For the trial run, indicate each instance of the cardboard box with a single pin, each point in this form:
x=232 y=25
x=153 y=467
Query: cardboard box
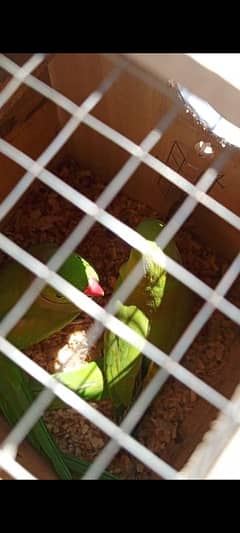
x=133 y=107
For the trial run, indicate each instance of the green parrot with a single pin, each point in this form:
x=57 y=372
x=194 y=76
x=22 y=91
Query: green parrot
x=165 y=301
x=49 y=313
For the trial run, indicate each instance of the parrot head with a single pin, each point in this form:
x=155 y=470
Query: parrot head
x=80 y=274
x=75 y=270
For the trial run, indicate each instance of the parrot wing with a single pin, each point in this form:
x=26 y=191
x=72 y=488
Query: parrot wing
x=165 y=301
x=122 y=361
x=86 y=381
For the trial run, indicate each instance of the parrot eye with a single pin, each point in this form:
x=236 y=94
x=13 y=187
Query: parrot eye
x=58 y=295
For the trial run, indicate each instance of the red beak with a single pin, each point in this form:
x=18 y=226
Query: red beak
x=93 y=288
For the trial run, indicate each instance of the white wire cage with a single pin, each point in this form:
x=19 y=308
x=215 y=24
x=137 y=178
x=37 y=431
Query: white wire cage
x=103 y=96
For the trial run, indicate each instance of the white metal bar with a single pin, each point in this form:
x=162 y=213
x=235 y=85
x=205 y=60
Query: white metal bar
x=27 y=421
x=14 y=468
x=217 y=456
x=19 y=77
x=40 y=86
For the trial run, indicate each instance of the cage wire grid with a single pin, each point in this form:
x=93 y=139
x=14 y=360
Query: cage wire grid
x=120 y=435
